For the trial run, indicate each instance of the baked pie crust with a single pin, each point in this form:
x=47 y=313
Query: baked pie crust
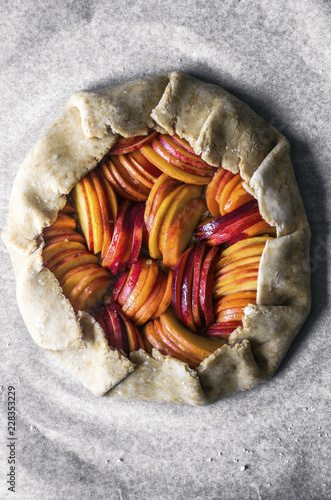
x=223 y=131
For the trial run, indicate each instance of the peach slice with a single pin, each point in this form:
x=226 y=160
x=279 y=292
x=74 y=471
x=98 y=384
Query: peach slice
x=166 y=299
x=155 y=341
x=128 y=144
x=121 y=240
x=175 y=349
x=128 y=183
x=134 y=172
x=172 y=170
x=153 y=240
x=130 y=282
x=248 y=283
x=186 y=292
x=79 y=196
x=200 y=347
x=67 y=209
x=163 y=186
x=180 y=231
x=52 y=238
x=107 y=216
x=211 y=192
x=108 y=169
x=224 y=180
x=226 y=192
x=177 y=281
x=250 y=247
x=260 y=227
x=145 y=167
x=72 y=277
x=183 y=143
x=150 y=305
x=92 y=294
x=204 y=170
x=231 y=303
x=238 y=197
x=69 y=259
x=206 y=281
x=222 y=330
x=132 y=289
x=86 y=277
x=181 y=153
x=184 y=196
x=132 y=306
x=243 y=295
x=50 y=251
x=63 y=221
x=237 y=264
x=199 y=256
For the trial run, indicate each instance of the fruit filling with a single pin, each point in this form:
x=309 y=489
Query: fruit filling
x=160 y=247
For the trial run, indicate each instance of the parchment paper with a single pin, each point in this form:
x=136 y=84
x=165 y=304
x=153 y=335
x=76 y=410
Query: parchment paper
x=267 y=443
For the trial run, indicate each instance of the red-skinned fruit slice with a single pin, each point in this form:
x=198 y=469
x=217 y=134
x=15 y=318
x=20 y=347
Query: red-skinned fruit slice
x=210 y=229
x=177 y=281
x=130 y=283
x=186 y=292
x=136 y=229
x=127 y=145
x=222 y=330
x=183 y=143
x=181 y=153
x=206 y=282
x=199 y=255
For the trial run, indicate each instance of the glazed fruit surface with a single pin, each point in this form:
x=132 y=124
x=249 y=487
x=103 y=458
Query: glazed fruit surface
x=161 y=247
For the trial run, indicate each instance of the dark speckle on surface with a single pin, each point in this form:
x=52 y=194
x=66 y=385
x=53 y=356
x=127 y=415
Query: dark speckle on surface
x=272 y=442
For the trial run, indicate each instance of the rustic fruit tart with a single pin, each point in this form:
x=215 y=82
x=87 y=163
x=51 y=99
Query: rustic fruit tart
x=159 y=242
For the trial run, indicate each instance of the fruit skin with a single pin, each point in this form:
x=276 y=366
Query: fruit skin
x=191 y=286
x=180 y=231
x=119 y=330
x=181 y=153
x=189 y=344
x=96 y=207
x=143 y=292
x=127 y=145
x=179 y=171
x=125 y=245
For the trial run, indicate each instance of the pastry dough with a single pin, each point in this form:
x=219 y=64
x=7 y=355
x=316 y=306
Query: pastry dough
x=223 y=130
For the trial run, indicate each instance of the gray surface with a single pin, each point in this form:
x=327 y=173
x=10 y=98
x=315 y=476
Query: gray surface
x=272 y=442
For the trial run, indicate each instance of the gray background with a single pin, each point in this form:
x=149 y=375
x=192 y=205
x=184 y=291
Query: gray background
x=272 y=442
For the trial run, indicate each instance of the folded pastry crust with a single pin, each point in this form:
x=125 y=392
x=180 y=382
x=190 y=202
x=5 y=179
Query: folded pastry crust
x=223 y=130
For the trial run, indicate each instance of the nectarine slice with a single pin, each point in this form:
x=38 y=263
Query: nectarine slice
x=153 y=240
x=149 y=307
x=70 y=259
x=145 y=167
x=172 y=170
x=212 y=203
x=64 y=221
x=166 y=299
x=184 y=196
x=49 y=251
x=128 y=144
x=203 y=170
x=92 y=294
x=180 y=231
x=200 y=347
x=248 y=283
x=86 y=277
x=181 y=153
x=72 y=277
x=131 y=307
x=174 y=349
x=79 y=196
